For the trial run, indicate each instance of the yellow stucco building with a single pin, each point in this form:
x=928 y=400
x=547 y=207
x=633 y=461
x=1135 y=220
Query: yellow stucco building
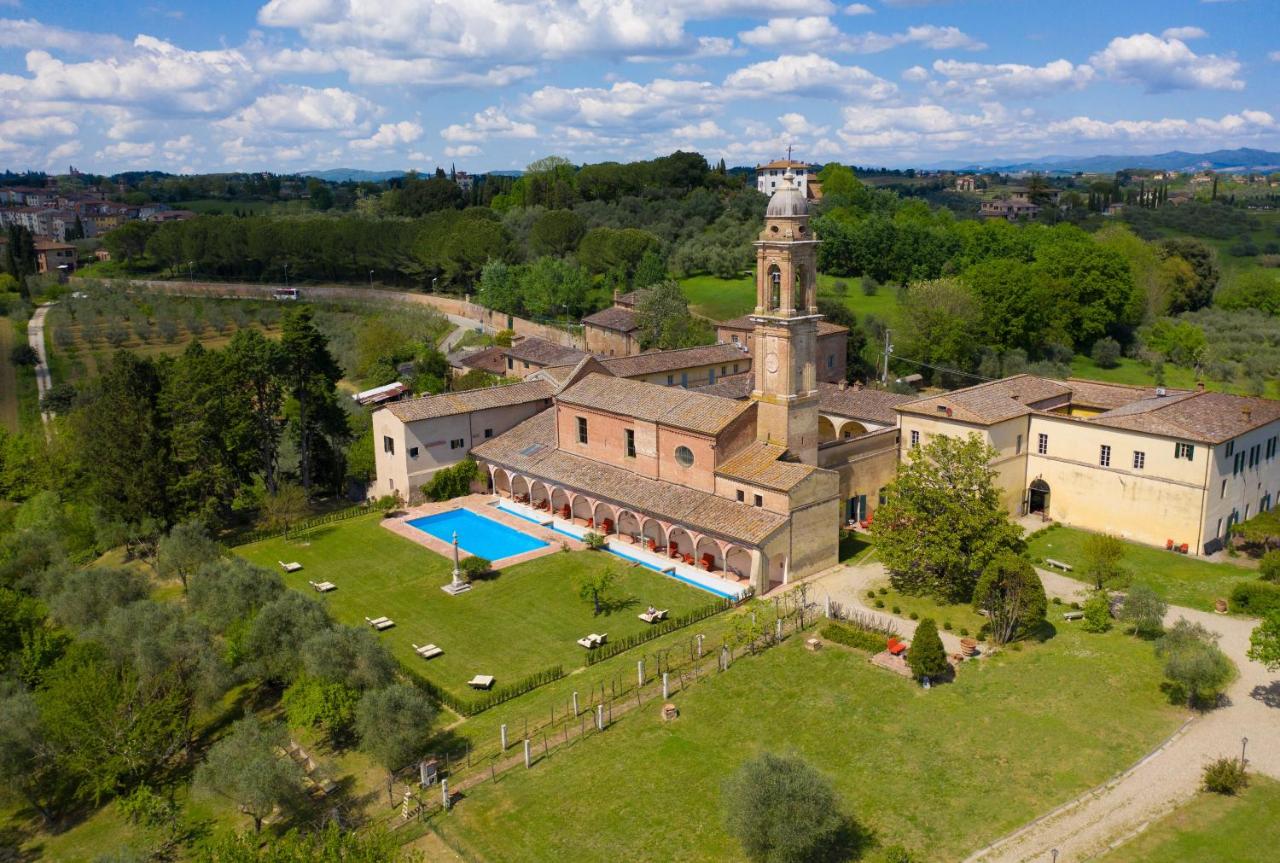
x=1151 y=465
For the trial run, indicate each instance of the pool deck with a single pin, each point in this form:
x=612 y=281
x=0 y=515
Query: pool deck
x=482 y=505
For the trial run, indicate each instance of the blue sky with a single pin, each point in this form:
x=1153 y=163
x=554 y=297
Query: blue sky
x=286 y=85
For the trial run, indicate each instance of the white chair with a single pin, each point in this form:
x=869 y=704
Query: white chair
x=481 y=681
x=289 y=567
x=427 y=651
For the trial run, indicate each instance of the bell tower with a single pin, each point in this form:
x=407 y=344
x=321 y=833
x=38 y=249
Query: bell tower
x=786 y=326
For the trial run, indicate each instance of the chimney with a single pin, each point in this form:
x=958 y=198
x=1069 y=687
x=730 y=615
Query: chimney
x=616 y=294
x=1247 y=410
x=843 y=384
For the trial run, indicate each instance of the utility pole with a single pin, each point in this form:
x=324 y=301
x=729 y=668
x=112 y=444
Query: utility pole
x=888 y=349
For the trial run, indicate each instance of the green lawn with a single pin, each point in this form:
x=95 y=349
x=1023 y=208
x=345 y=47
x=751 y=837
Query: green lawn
x=722 y=299
x=960 y=616
x=942 y=771
x=525 y=620
x=1212 y=828
x=1180 y=579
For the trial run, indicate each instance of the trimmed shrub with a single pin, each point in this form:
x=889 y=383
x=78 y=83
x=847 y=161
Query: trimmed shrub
x=926 y=656
x=1269 y=567
x=871 y=594
x=884 y=591
x=915 y=615
x=897 y=609
x=964 y=631
x=946 y=624
x=1256 y=597
x=849 y=636
x=879 y=603
x=475 y=567
x=1225 y=776
x=1097 y=613
x=593 y=540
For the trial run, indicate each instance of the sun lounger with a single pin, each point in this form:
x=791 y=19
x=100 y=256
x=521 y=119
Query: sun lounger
x=427 y=651
x=323 y=586
x=380 y=623
x=481 y=681
x=289 y=567
x=593 y=640
x=654 y=616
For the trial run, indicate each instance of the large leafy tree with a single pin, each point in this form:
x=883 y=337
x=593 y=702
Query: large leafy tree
x=394 y=723
x=246 y=767
x=942 y=521
x=782 y=810
x=255 y=367
x=186 y=548
x=663 y=316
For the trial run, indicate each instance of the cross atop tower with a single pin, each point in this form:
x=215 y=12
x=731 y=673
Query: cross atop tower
x=788 y=152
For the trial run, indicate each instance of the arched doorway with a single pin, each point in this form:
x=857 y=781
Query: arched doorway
x=539 y=497
x=1038 y=497
x=680 y=543
x=655 y=538
x=560 y=503
x=708 y=556
x=826 y=430
x=738 y=562
x=629 y=525
x=582 y=511
x=520 y=488
x=605 y=522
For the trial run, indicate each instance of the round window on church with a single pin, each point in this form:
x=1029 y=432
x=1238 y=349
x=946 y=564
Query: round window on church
x=684 y=456
x=773 y=228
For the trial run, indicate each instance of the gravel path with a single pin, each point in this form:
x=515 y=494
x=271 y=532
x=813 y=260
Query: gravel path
x=1108 y=815
x=35 y=337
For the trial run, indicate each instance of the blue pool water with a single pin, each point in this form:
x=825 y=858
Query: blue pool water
x=476 y=534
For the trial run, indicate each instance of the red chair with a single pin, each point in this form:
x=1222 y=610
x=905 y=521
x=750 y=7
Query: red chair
x=591 y=522
x=897 y=647
x=564 y=511
x=653 y=546
x=607 y=525
x=708 y=562
x=1168 y=544
x=673 y=549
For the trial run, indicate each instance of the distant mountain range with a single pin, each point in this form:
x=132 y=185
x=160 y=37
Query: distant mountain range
x=1242 y=159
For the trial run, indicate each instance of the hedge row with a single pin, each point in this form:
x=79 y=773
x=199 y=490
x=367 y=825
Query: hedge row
x=1255 y=597
x=613 y=648
x=481 y=703
x=849 y=636
x=307 y=524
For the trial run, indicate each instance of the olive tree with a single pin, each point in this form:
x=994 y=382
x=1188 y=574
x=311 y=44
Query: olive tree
x=782 y=810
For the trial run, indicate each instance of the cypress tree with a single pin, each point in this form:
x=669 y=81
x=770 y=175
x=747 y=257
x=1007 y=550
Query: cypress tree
x=926 y=656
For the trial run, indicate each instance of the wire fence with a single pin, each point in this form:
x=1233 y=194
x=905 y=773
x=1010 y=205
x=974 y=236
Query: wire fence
x=663 y=627
x=658 y=676
x=306 y=524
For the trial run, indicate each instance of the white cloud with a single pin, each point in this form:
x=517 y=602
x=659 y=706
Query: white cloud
x=1161 y=65
x=808 y=74
x=662 y=103
x=797 y=125
x=1274 y=56
x=389 y=136
x=858 y=9
x=915 y=74
x=491 y=122
x=791 y=31
x=462 y=150
x=1184 y=33
x=127 y=151
x=295 y=108
x=1245 y=123
x=927 y=35
x=151 y=73
x=985 y=80
x=35 y=129
x=704 y=131
x=28 y=33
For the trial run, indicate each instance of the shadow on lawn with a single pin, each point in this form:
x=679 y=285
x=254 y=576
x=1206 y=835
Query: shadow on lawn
x=1268 y=695
x=610 y=605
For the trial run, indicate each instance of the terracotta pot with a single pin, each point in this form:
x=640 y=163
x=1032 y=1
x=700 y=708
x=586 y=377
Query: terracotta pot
x=1220 y=606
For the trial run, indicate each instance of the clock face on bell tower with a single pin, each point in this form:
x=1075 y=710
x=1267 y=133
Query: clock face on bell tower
x=786 y=326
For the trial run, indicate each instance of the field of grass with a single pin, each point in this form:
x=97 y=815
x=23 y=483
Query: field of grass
x=960 y=616
x=1212 y=828
x=722 y=299
x=942 y=771
x=525 y=620
x=1180 y=579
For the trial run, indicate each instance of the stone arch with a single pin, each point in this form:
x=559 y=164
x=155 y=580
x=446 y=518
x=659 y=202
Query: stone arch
x=826 y=429
x=774 y=284
x=852 y=428
x=1038 y=496
x=606 y=522
x=800 y=289
x=655 y=532
x=582 y=507
x=539 y=495
x=561 y=503
x=737 y=562
x=681 y=540
x=629 y=523
x=778 y=569
x=501 y=482
x=707 y=550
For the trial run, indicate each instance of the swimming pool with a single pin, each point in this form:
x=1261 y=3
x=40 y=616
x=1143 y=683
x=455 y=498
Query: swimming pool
x=477 y=535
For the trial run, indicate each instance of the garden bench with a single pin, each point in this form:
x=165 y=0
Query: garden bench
x=380 y=623
x=293 y=566
x=654 y=616
x=593 y=640
x=481 y=681
x=1073 y=615
x=1057 y=564
x=897 y=647
x=323 y=586
x=427 y=651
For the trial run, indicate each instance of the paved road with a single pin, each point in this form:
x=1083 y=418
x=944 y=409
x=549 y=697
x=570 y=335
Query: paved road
x=1114 y=812
x=464 y=326
x=35 y=337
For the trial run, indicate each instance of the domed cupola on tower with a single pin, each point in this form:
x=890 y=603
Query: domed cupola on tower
x=786 y=325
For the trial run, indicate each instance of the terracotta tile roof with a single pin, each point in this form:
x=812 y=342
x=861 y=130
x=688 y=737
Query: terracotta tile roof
x=992 y=402
x=468 y=401
x=760 y=464
x=657 y=362
x=530 y=449
x=613 y=318
x=670 y=406
x=1207 y=417
x=493 y=359
x=629 y=299
x=871 y=405
x=784 y=163
x=1095 y=394
x=745 y=324
x=541 y=352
